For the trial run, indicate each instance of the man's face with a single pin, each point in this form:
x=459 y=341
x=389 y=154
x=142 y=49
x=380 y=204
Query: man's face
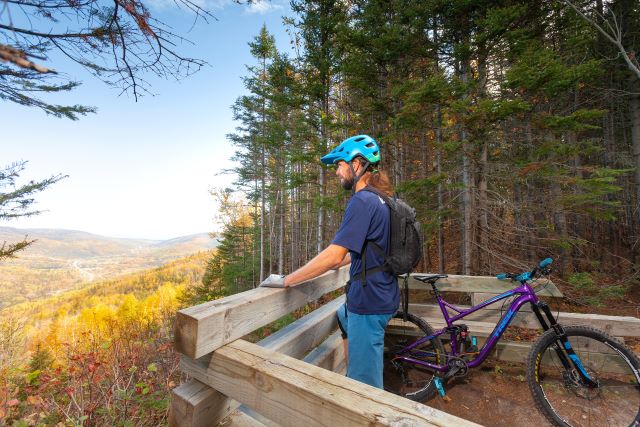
x=346 y=176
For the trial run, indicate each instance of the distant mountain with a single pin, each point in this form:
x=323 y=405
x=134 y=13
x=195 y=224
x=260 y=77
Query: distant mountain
x=60 y=260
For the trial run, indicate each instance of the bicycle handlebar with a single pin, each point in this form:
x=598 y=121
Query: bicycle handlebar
x=528 y=275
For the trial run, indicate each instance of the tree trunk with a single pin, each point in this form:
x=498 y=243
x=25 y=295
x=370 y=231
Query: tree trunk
x=483 y=208
x=262 y=215
x=281 y=220
x=441 y=260
x=466 y=200
x=634 y=107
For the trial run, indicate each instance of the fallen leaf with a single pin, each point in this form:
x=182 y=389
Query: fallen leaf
x=34 y=400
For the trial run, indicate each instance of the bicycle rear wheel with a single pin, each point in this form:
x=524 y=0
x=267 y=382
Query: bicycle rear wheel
x=565 y=400
x=407 y=379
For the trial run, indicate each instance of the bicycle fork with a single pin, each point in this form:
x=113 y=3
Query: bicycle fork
x=563 y=347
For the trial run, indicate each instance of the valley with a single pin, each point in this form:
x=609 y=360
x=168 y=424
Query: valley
x=63 y=260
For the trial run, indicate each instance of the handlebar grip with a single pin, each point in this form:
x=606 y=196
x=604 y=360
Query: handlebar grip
x=501 y=276
x=545 y=262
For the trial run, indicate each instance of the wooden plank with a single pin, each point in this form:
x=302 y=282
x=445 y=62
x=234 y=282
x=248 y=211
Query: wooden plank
x=457 y=283
x=196 y=404
x=306 y=333
x=264 y=421
x=475 y=328
x=329 y=355
x=239 y=418
x=619 y=326
x=201 y=329
x=518 y=352
x=270 y=382
x=209 y=407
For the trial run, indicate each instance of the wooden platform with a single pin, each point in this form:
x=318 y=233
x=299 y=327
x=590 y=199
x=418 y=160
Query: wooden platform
x=295 y=376
x=268 y=378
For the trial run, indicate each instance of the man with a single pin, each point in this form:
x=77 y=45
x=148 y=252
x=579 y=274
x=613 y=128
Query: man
x=372 y=298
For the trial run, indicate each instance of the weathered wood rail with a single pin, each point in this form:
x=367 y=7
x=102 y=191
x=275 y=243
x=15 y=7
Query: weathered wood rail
x=295 y=376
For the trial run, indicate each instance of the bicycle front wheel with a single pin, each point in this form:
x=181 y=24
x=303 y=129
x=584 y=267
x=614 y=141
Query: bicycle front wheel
x=407 y=379
x=565 y=399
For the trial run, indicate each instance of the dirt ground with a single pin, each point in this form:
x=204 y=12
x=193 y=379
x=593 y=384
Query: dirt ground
x=495 y=394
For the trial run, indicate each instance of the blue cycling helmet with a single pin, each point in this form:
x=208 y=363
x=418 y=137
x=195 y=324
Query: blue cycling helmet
x=359 y=145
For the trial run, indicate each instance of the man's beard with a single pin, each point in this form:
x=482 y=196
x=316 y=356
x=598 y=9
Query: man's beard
x=347 y=183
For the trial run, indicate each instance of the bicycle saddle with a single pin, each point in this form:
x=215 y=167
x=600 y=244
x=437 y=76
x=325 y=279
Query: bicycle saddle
x=430 y=278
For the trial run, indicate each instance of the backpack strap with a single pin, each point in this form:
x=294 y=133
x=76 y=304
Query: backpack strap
x=363 y=273
x=383 y=267
x=384 y=196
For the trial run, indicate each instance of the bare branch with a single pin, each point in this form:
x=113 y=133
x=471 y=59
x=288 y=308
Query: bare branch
x=614 y=36
x=117 y=41
x=19 y=58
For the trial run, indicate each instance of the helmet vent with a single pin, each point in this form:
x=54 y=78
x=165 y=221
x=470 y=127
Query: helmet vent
x=359 y=139
x=341 y=149
x=369 y=145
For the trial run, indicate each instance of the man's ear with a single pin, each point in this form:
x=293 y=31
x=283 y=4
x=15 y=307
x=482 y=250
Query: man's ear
x=359 y=160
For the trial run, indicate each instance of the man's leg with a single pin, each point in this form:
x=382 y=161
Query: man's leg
x=366 y=347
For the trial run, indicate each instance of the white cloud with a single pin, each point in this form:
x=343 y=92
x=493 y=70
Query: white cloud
x=210 y=5
x=263 y=7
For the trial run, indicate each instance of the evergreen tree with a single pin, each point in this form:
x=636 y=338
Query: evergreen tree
x=507 y=124
x=17 y=201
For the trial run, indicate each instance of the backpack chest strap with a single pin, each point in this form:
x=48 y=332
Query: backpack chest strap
x=363 y=273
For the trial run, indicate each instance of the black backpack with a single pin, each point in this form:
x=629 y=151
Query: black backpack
x=405 y=241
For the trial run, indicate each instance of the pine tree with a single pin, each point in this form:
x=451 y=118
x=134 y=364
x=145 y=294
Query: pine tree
x=17 y=201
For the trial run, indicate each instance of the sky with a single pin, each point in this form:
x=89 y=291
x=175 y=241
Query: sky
x=143 y=169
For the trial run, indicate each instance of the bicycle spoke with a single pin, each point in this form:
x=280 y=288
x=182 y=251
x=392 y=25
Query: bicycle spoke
x=567 y=400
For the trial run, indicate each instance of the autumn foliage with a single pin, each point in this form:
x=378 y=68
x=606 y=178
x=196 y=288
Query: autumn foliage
x=108 y=361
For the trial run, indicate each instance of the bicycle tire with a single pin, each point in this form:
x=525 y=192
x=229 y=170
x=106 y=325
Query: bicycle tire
x=560 y=395
x=407 y=379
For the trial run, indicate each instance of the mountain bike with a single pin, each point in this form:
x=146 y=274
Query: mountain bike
x=578 y=375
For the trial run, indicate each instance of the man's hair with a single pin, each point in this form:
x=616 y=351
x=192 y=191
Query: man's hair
x=380 y=180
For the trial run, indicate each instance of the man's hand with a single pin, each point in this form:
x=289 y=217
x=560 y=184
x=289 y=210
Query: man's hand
x=273 y=281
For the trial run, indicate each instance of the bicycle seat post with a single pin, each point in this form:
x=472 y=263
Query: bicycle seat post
x=436 y=291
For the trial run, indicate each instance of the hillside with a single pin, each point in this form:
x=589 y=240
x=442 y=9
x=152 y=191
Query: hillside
x=63 y=356
x=61 y=260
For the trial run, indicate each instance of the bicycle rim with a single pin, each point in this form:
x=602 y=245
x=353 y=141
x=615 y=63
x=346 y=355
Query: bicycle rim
x=408 y=379
x=616 y=399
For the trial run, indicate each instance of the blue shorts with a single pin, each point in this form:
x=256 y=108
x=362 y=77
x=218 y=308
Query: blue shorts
x=366 y=345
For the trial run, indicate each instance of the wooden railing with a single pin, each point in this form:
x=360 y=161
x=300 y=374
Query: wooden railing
x=295 y=376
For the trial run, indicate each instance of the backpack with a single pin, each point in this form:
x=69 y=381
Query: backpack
x=405 y=241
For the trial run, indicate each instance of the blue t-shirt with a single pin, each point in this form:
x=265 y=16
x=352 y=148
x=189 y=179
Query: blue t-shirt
x=367 y=218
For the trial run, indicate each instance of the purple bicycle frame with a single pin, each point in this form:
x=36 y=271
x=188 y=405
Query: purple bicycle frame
x=527 y=294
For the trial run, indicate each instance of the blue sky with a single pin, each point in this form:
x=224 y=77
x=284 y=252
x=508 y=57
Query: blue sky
x=143 y=169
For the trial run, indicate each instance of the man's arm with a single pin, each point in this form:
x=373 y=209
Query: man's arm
x=346 y=260
x=331 y=257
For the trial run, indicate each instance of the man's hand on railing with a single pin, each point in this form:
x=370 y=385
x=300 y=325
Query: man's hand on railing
x=273 y=281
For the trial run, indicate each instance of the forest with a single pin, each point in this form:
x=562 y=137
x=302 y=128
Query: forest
x=513 y=128
x=100 y=355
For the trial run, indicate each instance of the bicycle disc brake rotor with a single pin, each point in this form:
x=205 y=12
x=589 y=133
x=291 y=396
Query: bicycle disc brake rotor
x=574 y=383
